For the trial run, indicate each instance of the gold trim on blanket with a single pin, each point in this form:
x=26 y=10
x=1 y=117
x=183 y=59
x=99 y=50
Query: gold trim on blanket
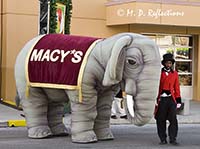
x=57 y=86
x=80 y=75
x=61 y=86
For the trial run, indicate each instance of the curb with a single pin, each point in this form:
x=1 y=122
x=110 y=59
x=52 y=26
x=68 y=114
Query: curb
x=10 y=104
x=13 y=123
x=16 y=123
x=192 y=118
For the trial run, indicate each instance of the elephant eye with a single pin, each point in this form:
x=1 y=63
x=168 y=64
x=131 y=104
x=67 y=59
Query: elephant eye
x=131 y=61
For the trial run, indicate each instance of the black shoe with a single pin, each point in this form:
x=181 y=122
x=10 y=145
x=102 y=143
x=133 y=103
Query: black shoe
x=124 y=116
x=174 y=143
x=163 y=142
x=114 y=116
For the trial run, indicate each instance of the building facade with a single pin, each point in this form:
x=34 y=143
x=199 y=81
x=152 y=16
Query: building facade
x=172 y=24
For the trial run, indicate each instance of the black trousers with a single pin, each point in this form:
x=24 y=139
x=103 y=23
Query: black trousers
x=167 y=111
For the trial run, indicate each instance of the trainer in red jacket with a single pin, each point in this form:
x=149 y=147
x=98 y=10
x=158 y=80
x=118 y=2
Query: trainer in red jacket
x=167 y=100
x=169 y=82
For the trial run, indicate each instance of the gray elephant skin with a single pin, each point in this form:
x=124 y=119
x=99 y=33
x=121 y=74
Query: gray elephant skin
x=127 y=60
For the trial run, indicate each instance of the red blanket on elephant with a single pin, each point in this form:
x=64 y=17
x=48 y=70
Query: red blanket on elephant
x=57 y=61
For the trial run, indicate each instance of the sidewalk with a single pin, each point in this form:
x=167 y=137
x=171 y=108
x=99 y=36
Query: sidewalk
x=192 y=118
x=12 y=117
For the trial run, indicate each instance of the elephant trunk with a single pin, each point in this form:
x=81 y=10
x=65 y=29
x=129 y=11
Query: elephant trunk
x=141 y=96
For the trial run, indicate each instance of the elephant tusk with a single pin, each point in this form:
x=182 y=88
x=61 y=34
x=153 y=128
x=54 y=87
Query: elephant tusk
x=130 y=105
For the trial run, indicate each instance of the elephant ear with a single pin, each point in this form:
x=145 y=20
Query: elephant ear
x=115 y=66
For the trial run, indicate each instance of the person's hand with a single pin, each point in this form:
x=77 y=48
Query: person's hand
x=178 y=105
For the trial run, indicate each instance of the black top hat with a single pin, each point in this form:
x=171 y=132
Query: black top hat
x=168 y=57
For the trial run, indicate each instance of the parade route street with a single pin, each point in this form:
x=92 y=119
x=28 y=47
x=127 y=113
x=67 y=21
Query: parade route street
x=126 y=137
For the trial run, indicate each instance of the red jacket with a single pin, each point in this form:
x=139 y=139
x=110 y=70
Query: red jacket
x=169 y=82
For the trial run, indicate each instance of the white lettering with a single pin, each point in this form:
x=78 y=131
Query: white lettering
x=63 y=55
x=46 y=56
x=129 y=12
x=120 y=12
x=159 y=13
x=77 y=57
x=56 y=55
x=140 y=13
x=36 y=56
x=52 y=58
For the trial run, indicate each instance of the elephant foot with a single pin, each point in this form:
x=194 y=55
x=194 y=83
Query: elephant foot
x=39 y=132
x=84 y=137
x=104 y=134
x=60 y=130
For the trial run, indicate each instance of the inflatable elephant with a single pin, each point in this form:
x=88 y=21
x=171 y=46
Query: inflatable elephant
x=44 y=83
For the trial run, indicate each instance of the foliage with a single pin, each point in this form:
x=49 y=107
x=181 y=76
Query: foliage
x=68 y=13
x=170 y=50
x=184 y=49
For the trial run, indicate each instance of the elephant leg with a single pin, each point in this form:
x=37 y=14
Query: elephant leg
x=83 y=116
x=35 y=110
x=56 y=111
x=102 y=122
x=55 y=119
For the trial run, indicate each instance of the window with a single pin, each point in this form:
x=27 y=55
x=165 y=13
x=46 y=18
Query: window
x=183 y=57
x=181 y=47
